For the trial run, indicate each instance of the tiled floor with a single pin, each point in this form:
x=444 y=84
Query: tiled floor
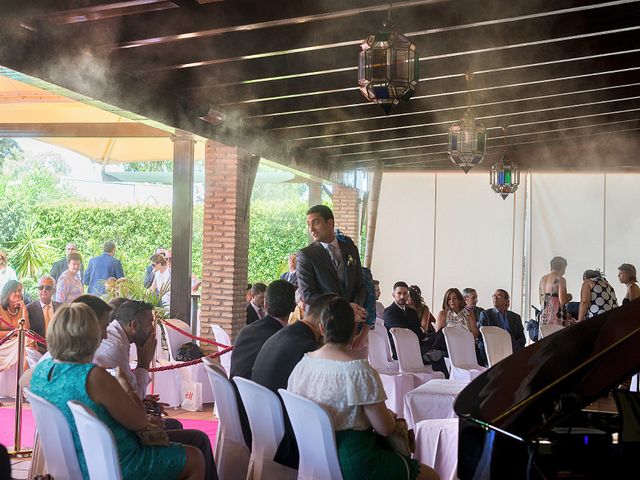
x=20 y=466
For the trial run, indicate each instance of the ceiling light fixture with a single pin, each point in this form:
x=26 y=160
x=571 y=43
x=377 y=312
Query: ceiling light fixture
x=505 y=174
x=467 y=138
x=388 y=67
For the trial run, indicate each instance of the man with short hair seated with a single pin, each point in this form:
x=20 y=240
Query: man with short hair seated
x=501 y=316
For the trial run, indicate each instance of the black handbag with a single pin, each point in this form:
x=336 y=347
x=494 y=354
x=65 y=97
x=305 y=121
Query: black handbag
x=189 y=351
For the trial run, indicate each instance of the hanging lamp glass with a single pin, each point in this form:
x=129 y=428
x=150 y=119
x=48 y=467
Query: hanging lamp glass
x=388 y=67
x=467 y=138
x=505 y=174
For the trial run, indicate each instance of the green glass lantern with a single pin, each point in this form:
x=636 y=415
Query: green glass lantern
x=388 y=67
x=505 y=177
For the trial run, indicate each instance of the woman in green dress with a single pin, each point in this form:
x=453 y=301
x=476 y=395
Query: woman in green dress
x=73 y=337
x=351 y=392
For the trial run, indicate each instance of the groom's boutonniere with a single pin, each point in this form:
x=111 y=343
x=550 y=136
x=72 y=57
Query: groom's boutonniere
x=349 y=261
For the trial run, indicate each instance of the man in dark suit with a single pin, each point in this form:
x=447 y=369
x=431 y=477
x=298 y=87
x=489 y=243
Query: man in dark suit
x=400 y=315
x=62 y=265
x=255 y=308
x=331 y=265
x=278 y=357
x=101 y=268
x=41 y=311
x=501 y=316
x=279 y=303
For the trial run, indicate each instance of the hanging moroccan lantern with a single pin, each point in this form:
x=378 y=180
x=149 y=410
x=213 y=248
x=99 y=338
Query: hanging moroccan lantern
x=505 y=177
x=388 y=67
x=467 y=139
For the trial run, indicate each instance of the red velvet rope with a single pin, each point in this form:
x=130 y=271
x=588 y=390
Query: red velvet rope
x=7 y=337
x=35 y=337
x=191 y=362
x=205 y=340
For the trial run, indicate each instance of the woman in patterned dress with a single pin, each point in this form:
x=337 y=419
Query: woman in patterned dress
x=596 y=295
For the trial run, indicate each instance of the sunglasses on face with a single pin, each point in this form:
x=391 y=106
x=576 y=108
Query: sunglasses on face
x=48 y=288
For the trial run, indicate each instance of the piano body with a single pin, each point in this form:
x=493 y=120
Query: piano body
x=527 y=417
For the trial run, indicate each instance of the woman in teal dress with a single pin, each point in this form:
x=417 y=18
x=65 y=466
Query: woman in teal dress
x=73 y=336
x=351 y=392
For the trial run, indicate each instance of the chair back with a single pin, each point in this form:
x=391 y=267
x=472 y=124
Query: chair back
x=378 y=348
x=56 y=438
x=549 y=329
x=226 y=403
x=462 y=353
x=222 y=336
x=98 y=443
x=264 y=412
x=315 y=436
x=497 y=343
x=176 y=339
x=33 y=357
x=408 y=350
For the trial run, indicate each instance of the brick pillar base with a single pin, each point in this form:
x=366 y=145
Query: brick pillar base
x=345 y=212
x=229 y=175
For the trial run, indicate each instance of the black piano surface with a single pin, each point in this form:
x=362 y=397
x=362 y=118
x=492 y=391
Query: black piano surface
x=525 y=417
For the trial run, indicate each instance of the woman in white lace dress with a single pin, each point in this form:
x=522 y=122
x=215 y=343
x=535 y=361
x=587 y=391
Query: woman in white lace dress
x=351 y=392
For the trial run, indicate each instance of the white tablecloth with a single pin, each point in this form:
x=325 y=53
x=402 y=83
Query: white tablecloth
x=437 y=446
x=432 y=400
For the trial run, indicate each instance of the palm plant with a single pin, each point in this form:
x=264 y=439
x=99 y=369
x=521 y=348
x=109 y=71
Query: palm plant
x=30 y=252
x=125 y=287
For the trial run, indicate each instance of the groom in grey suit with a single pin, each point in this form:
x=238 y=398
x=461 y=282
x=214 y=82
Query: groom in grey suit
x=329 y=265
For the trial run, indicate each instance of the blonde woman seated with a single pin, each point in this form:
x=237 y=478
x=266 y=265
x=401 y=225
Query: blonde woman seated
x=73 y=337
x=351 y=392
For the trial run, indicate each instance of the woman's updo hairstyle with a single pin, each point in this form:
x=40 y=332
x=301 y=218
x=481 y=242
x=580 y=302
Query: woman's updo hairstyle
x=337 y=319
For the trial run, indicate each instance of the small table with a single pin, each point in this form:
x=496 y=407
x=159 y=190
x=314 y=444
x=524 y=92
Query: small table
x=432 y=400
x=437 y=446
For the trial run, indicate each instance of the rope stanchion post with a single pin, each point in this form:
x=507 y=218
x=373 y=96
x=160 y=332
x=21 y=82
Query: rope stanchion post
x=17 y=451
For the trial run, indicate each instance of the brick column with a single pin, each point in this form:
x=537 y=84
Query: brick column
x=229 y=176
x=345 y=211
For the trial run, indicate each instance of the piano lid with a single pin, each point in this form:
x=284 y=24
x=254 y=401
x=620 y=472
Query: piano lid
x=533 y=389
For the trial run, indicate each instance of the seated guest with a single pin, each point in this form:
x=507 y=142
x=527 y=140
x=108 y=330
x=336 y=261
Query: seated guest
x=627 y=276
x=500 y=316
x=275 y=362
x=133 y=323
x=415 y=301
x=279 y=303
x=100 y=308
x=453 y=314
x=379 y=305
x=255 y=309
x=399 y=315
x=596 y=295
x=360 y=417
x=298 y=312
x=70 y=282
x=41 y=311
x=471 y=302
x=73 y=336
x=12 y=309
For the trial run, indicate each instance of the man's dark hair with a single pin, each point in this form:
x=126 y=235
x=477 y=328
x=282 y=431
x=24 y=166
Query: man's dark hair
x=337 y=319
x=108 y=247
x=258 y=288
x=400 y=284
x=96 y=304
x=280 y=299
x=129 y=309
x=115 y=304
x=324 y=211
x=249 y=286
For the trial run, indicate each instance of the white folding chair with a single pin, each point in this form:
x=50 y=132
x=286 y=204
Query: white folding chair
x=33 y=357
x=315 y=436
x=264 y=412
x=462 y=353
x=231 y=452
x=497 y=343
x=98 y=443
x=549 y=329
x=409 y=356
x=222 y=336
x=56 y=438
x=379 y=352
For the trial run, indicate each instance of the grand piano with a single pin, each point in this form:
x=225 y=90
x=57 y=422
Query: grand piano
x=529 y=416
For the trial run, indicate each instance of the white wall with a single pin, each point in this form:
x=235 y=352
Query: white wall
x=441 y=230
